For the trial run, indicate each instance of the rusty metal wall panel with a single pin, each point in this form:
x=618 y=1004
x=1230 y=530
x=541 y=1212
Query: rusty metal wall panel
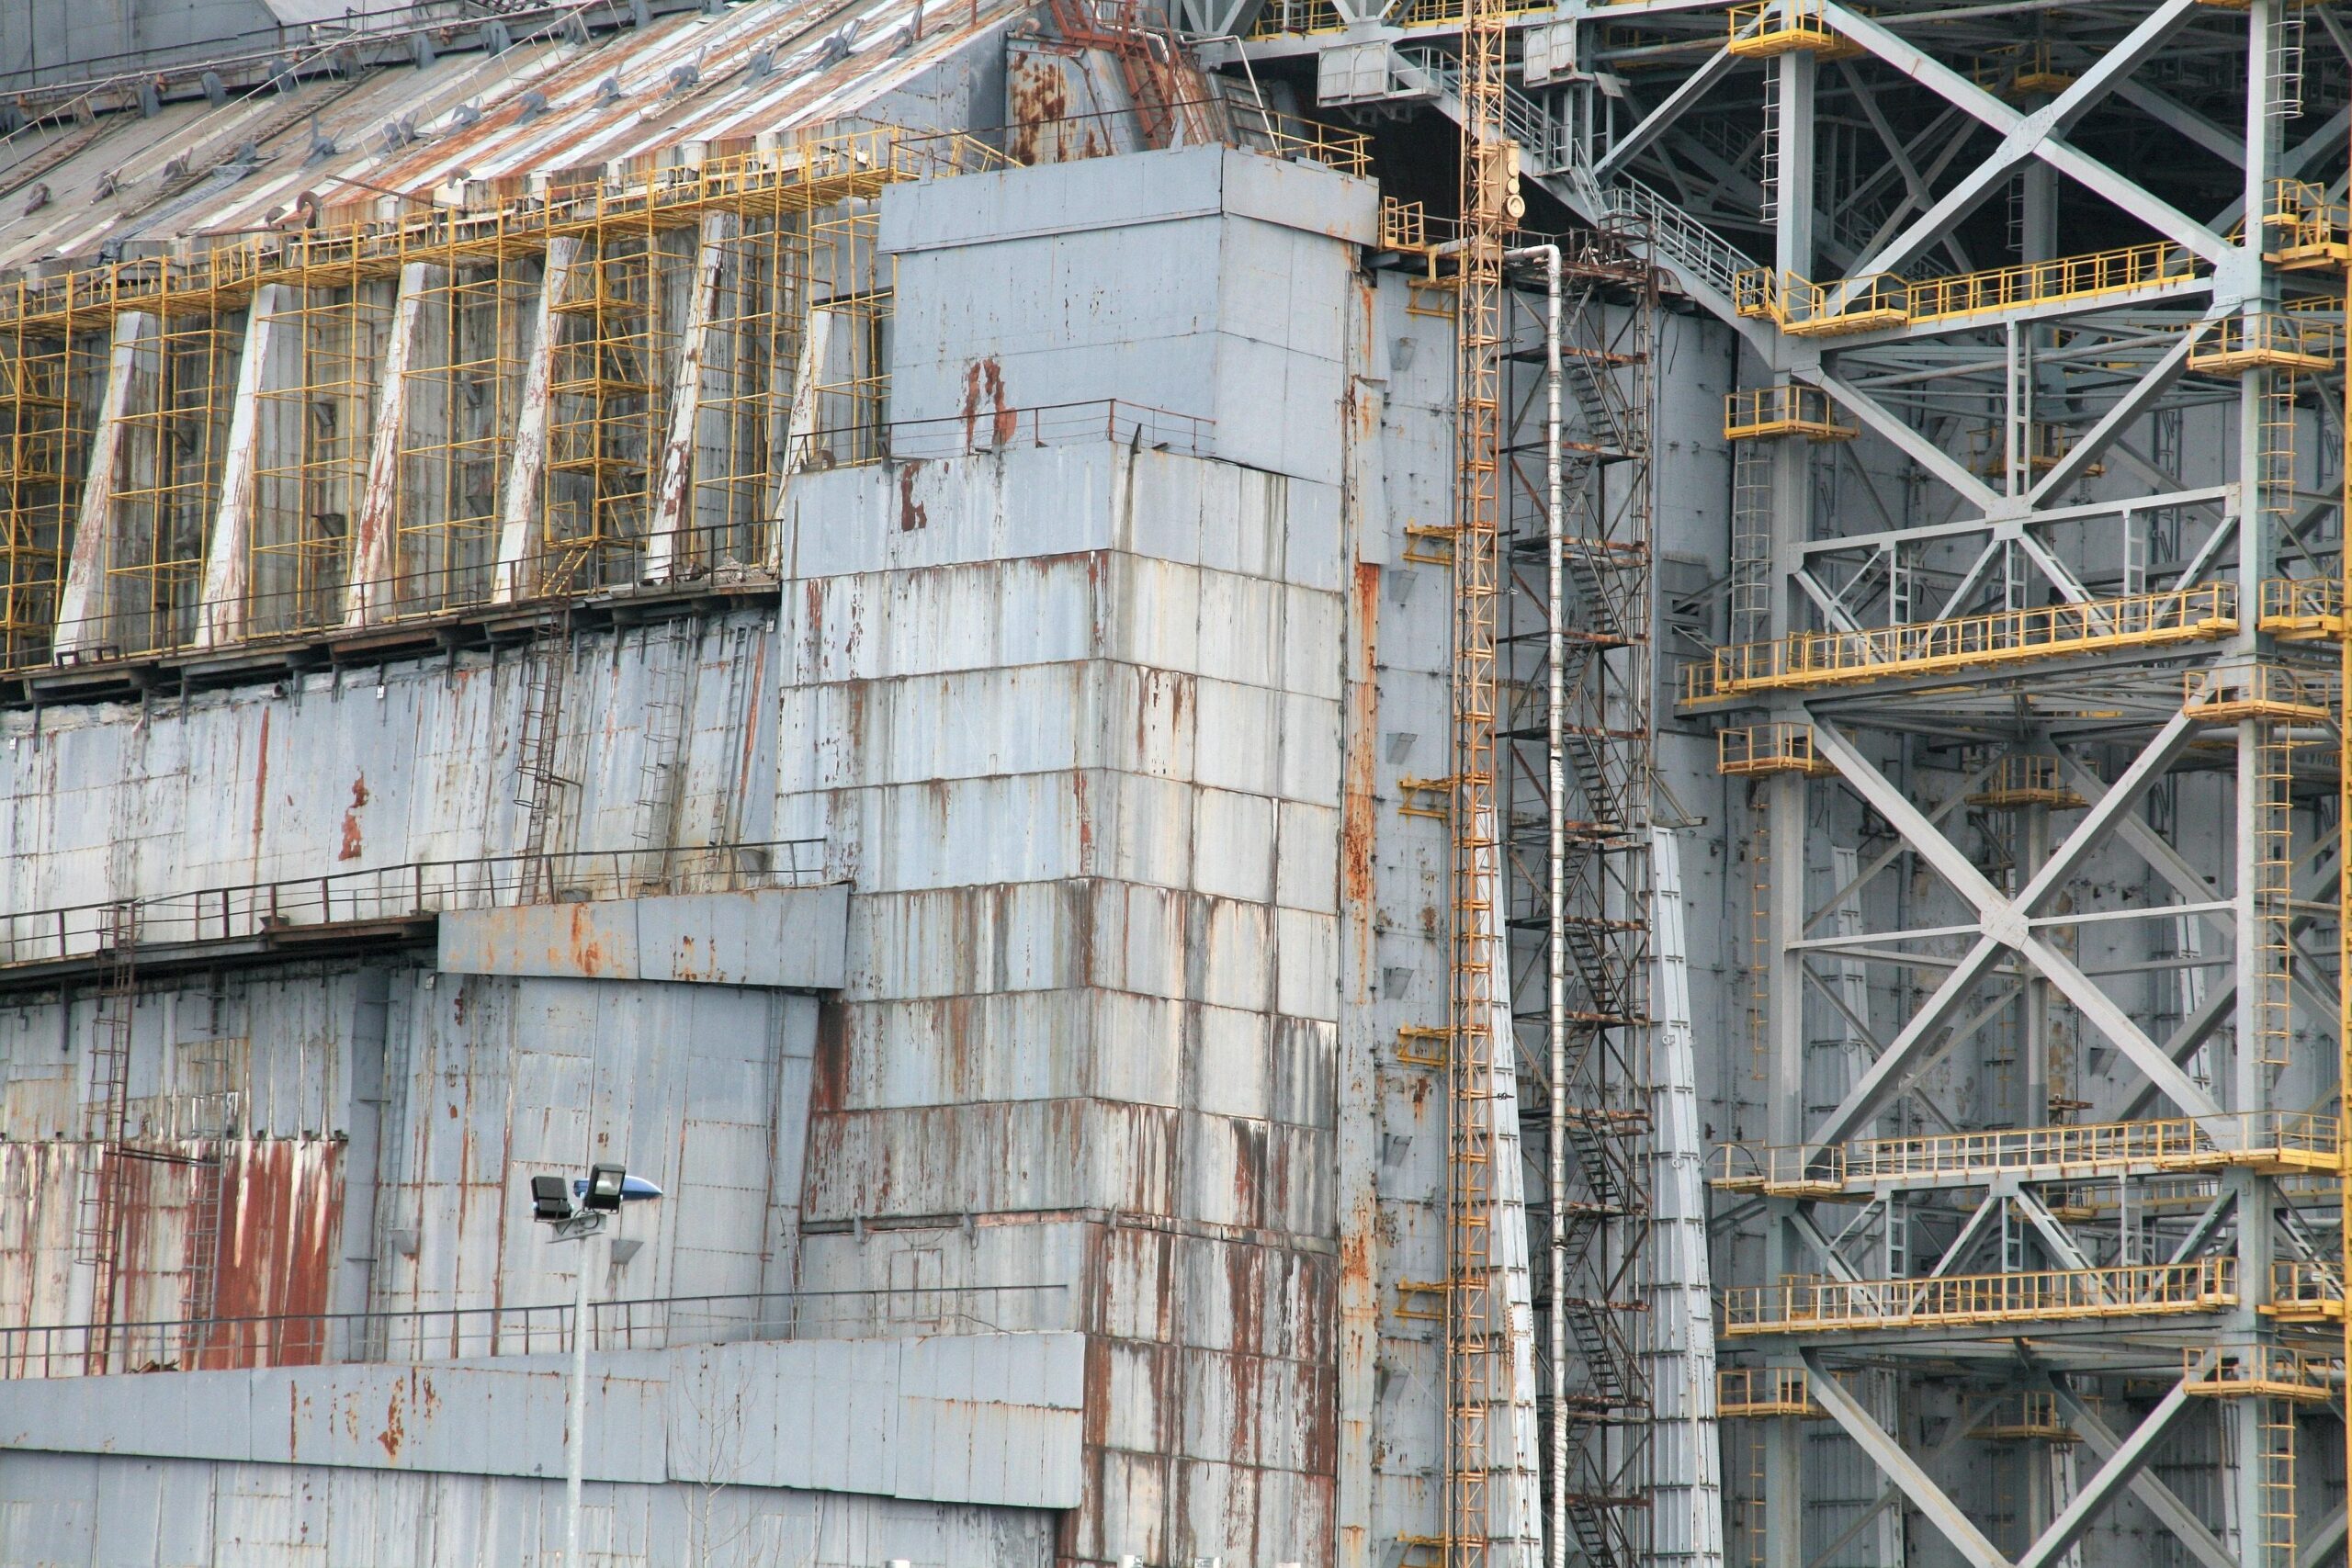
x=789 y=938
x=280 y=1217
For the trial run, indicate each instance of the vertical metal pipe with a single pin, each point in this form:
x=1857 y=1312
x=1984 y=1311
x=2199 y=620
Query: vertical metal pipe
x=1556 y=811
x=575 y=1446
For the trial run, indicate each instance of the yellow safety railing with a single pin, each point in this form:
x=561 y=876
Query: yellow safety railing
x=2058 y=280
x=2026 y=781
x=2025 y=1416
x=2274 y=1371
x=1811 y=1305
x=2304 y=227
x=2266 y=340
x=1780 y=747
x=2303 y=1289
x=1876 y=300
x=2258 y=691
x=2020 y=71
x=1966 y=642
x=1762 y=29
x=2273 y=1141
x=1756 y=413
x=1349 y=152
x=1438 y=12
x=1756 y=1391
x=2300 y=607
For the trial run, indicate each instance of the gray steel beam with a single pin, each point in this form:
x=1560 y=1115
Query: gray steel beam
x=1950 y=1521
x=2122 y=1464
x=2153 y=1493
x=1635 y=143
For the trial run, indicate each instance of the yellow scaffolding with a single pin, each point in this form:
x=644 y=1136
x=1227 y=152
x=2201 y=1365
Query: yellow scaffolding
x=313 y=435
x=751 y=354
x=852 y=286
x=461 y=397
x=608 y=403
x=44 y=439
x=173 y=436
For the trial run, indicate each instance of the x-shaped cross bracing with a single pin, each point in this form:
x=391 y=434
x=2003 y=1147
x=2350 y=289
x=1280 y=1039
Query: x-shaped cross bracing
x=2124 y=1465
x=2035 y=135
x=2007 y=924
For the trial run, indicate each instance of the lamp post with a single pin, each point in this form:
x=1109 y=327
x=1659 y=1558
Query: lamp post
x=600 y=1193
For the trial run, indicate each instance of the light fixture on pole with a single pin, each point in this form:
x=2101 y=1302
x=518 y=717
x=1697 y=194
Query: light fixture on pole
x=600 y=1194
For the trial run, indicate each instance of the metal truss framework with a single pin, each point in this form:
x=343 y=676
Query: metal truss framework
x=2040 y=707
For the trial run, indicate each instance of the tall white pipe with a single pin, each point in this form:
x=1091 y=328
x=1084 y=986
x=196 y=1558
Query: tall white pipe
x=1555 y=807
x=576 y=1426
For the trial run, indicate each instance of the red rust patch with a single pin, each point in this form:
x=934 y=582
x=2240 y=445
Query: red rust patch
x=353 y=846
x=984 y=386
x=1356 y=809
x=913 y=513
x=395 y=1430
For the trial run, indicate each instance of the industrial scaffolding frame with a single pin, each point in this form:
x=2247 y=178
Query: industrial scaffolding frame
x=2008 y=681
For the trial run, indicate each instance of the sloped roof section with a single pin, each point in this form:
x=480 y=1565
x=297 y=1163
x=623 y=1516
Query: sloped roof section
x=474 y=128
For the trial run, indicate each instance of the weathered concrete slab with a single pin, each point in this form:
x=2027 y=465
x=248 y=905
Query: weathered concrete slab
x=988 y=1418
x=790 y=937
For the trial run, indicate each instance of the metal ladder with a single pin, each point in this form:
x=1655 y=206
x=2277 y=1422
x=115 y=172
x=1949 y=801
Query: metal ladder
x=538 y=787
x=2285 y=60
x=1751 y=543
x=661 y=758
x=2274 y=870
x=98 y=1229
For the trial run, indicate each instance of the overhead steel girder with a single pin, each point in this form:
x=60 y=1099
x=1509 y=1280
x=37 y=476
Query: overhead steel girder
x=2034 y=135
x=2142 y=394
x=1899 y=435
x=2006 y=924
x=1698 y=85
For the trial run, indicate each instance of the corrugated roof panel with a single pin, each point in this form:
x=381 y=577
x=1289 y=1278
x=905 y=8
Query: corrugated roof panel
x=638 y=96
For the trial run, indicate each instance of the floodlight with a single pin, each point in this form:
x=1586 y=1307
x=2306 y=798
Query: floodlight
x=548 y=1200
x=605 y=1184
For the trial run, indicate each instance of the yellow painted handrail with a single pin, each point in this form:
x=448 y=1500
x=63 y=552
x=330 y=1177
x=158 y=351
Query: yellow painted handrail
x=1922 y=648
x=2300 y=1138
x=1885 y=299
x=1966 y=1300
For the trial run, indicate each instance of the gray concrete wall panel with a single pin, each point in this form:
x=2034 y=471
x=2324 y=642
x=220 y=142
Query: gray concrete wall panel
x=987 y=1419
